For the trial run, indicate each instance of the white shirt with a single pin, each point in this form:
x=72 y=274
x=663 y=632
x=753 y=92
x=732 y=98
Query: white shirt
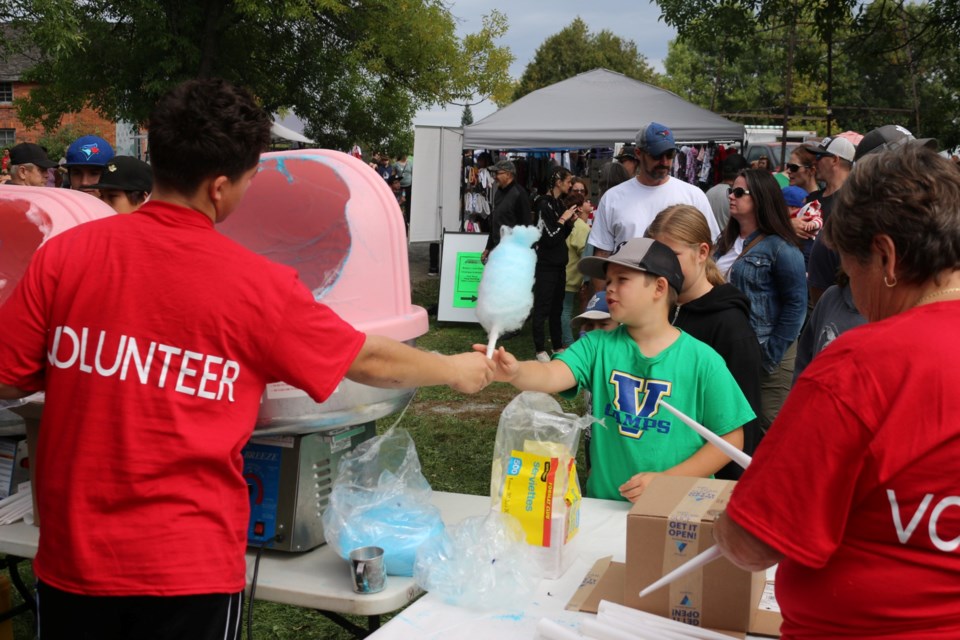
x=725 y=262
x=626 y=210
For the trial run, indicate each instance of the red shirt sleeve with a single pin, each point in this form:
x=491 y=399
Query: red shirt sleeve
x=314 y=347
x=797 y=493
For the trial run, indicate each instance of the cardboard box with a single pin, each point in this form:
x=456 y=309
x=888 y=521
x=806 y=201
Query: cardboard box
x=671 y=523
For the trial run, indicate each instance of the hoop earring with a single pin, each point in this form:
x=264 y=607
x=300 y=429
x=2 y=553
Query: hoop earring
x=887 y=284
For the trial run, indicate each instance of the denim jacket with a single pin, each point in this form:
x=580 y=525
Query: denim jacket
x=773 y=277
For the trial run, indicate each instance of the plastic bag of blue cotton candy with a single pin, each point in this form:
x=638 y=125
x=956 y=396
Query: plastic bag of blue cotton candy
x=481 y=563
x=380 y=498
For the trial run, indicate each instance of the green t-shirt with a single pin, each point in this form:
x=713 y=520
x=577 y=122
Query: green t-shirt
x=633 y=433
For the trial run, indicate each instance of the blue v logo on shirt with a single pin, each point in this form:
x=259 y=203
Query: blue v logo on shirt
x=636 y=402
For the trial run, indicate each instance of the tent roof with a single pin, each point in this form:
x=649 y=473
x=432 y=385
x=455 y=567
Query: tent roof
x=594 y=109
x=277 y=130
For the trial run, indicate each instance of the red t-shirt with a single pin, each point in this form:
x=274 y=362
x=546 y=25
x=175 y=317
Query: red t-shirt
x=154 y=336
x=858 y=484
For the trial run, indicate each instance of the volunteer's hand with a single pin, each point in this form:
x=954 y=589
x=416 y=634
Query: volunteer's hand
x=484 y=256
x=475 y=371
x=635 y=486
x=507 y=365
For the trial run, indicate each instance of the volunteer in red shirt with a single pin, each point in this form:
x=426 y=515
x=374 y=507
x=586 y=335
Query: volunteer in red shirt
x=855 y=490
x=154 y=336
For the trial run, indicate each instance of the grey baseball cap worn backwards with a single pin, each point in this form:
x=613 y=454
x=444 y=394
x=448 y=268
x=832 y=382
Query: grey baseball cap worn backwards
x=642 y=254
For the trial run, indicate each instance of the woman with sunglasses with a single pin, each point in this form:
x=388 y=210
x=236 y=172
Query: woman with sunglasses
x=758 y=253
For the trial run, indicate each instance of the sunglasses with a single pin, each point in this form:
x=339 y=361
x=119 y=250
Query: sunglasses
x=669 y=155
x=739 y=192
x=578 y=190
x=793 y=168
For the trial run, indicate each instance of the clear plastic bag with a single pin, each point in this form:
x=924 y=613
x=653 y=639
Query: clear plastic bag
x=534 y=476
x=481 y=563
x=380 y=498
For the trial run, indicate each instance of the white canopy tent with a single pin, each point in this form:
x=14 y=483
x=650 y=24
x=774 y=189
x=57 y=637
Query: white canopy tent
x=595 y=109
x=279 y=131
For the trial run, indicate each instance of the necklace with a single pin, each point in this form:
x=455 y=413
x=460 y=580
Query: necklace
x=936 y=294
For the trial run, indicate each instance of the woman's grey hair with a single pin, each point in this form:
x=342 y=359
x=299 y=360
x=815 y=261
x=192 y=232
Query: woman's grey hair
x=911 y=194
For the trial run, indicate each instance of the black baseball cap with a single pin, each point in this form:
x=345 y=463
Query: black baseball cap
x=29 y=153
x=642 y=254
x=890 y=136
x=125 y=173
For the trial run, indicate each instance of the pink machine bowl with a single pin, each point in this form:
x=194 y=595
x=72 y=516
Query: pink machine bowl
x=338 y=223
x=31 y=215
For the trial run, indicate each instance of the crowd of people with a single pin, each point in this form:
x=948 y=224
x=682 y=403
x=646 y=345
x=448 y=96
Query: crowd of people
x=697 y=301
x=796 y=331
x=123 y=182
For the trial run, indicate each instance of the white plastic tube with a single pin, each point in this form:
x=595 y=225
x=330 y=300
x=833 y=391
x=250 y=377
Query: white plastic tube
x=735 y=454
x=661 y=632
x=638 y=617
x=603 y=631
x=550 y=630
x=689 y=566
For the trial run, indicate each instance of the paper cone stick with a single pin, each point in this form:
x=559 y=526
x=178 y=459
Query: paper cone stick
x=550 y=630
x=693 y=564
x=492 y=343
x=735 y=454
x=612 y=613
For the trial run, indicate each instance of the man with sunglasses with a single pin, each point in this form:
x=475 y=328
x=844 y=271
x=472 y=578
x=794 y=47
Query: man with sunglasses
x=834 y=161
x=626 y=210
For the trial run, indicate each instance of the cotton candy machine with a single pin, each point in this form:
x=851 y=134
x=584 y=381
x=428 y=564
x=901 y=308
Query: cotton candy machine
x=335 y=220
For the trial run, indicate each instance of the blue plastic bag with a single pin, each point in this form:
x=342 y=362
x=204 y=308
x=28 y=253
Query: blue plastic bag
x=380 y=498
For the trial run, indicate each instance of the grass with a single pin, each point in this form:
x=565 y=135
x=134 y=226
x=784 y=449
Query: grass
x=454 y=434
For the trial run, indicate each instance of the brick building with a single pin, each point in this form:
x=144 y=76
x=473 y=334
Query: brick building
x=12 y=131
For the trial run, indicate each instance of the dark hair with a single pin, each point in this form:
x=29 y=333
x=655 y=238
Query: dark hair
x=574 y=200
x=559 y=174
x=611 y=174
x=137 y=197
x=770 y=207
x=732 y=165
x=202 y=129
x=911 y=194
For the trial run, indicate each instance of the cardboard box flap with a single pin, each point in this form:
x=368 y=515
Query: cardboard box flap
x=662 y=501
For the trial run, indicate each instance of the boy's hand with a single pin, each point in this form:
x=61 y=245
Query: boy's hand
x=635 y=486
x=506 y=364
x=475 y=371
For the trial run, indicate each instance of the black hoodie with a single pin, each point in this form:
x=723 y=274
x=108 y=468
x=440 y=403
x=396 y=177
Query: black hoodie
x=721 y=318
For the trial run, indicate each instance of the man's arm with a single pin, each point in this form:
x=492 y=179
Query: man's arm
x=743 y=548
x=389 y=364
x=12 y=393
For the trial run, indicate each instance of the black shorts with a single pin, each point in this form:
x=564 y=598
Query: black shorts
x=62 y=616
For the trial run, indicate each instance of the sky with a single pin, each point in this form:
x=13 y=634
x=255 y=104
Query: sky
x=533 y=21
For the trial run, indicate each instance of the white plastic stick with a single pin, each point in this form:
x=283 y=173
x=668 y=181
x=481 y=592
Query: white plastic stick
x=602 y=631
x=492 y=343
x=690 y=565
x=550 y=630
x=638 y=617
x=660 y=631
x=735 y=454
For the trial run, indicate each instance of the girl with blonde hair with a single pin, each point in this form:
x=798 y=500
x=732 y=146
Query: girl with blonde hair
x=712 y=310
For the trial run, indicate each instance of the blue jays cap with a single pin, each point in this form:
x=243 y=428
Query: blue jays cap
x=794 y=196
x=597 y=308
x=89 y=151
x=655 y=139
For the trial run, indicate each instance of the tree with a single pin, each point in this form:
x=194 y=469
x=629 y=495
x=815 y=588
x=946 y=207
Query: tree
x=467 y=117
x=574 y=50
x=353 y=70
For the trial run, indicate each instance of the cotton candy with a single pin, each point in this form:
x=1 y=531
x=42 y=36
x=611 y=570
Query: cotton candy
x=505 y=295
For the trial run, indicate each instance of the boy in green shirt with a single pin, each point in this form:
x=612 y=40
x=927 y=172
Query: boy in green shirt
x=631 y=369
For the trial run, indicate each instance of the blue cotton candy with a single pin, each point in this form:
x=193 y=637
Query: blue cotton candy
x=505 y=295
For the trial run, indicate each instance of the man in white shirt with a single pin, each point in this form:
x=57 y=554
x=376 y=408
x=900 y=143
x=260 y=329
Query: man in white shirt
x=625 y=211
